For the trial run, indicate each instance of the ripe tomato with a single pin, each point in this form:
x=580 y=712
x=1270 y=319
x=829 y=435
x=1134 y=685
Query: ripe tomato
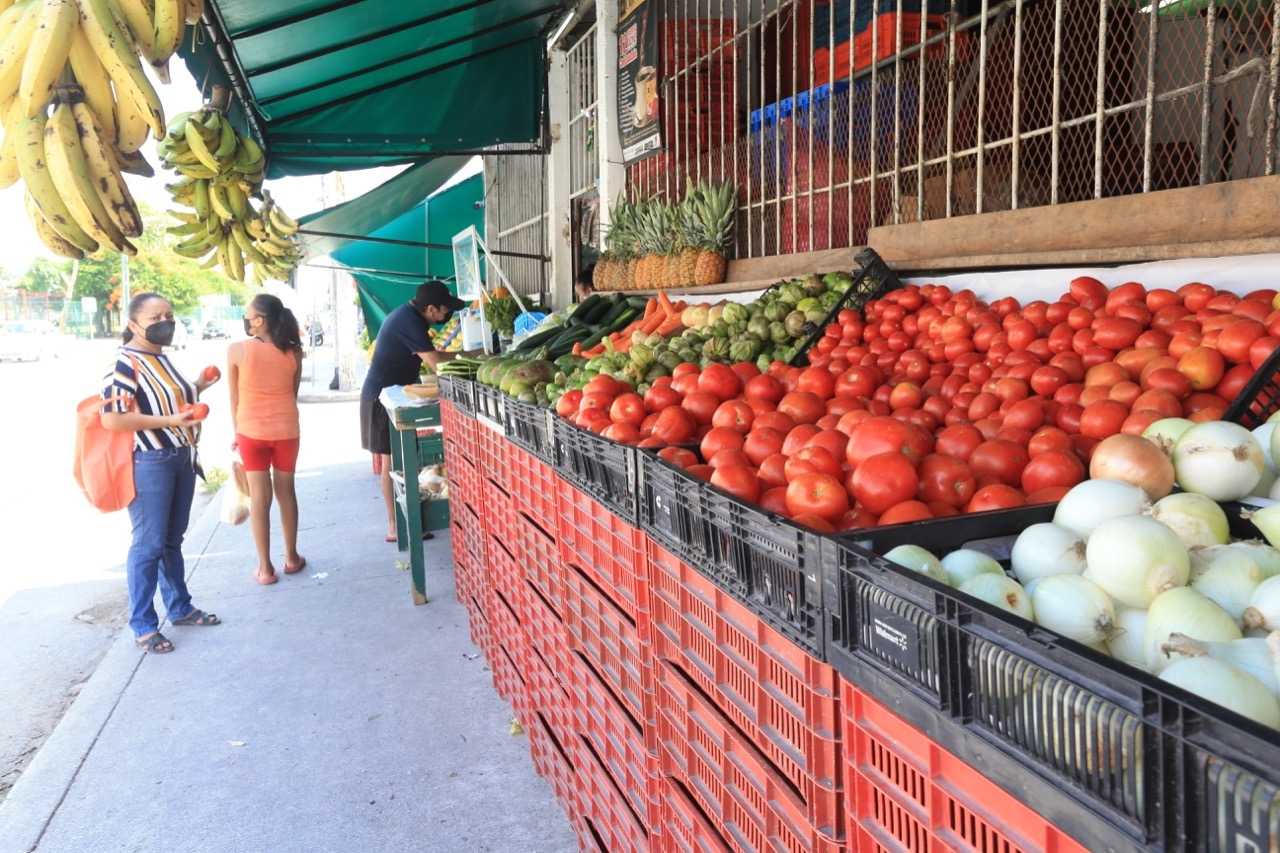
x=621 y=432
x=763 y=387
x=629 y=409
x=803 y=407
x=1203 y=367
x=817 y=494
x=212 y=373
x=1103 y=418
x=701 y=471
x=996 y=496
x=746 y=370
x=735 y=414
x=1053 y=468
x=857 y=381
x=567 y=405
x=906 y=511
x=773 y=498
x=674 y=425
x=729 y=456
x=882 y=480
x=603 y=384
x=595 y=420
x=596 y=400
x=886 y=435
x=738 y=480
x=681 y=456
x=799 y=436
x=702 y=405
x=761 y=443
x=720 y=380
x=660 y=397
x=199 y=411
x=812 y=457
x=772 y=470
x=814 y=522
x=774 y=420
x=720 y=438
x=1000 y=457
x=946 y=479
x=958 y=440
x=816 y=380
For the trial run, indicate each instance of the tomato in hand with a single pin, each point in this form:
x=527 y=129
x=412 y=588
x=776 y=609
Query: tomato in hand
x=199 y=411
x=212 y=373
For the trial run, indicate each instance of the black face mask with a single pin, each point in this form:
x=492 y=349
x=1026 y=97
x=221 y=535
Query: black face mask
x=161 y=334
x=246 y=326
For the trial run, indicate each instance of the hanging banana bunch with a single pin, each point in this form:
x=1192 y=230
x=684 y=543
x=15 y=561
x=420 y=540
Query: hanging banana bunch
x=77 y=106
x=219 y=174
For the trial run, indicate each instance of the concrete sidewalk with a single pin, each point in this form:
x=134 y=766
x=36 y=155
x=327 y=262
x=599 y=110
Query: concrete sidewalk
x=326 y=713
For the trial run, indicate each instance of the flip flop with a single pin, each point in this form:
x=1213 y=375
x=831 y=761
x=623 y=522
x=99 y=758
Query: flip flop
x=293 y=570
x=198 y=617
x=425 y=536
x=157 y=644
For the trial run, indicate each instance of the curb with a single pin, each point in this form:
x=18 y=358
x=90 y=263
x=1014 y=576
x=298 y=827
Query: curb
x=328 y=396
x=35 y=798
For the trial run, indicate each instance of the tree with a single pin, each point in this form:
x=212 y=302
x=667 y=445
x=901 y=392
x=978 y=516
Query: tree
x=44 y=276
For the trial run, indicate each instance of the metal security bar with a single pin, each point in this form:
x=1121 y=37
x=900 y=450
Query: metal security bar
x=584 y=159
x=838 y=119
x=516 y=220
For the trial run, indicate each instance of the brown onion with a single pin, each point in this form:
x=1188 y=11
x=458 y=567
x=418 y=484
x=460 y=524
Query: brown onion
x=1135 y=460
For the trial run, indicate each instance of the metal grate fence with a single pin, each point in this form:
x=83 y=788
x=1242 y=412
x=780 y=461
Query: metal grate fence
x=516 y=220
x=584 y=161
x=836 y=120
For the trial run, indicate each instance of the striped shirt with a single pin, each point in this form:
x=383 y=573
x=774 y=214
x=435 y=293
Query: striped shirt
x=160 y=390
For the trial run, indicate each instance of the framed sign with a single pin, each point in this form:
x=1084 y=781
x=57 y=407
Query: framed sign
x=466 y=263
x=638 y=80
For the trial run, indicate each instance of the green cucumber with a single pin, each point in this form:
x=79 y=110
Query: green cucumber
x=602 y=309
x=586 y=307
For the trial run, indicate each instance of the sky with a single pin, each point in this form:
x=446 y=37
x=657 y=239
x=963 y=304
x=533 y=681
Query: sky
x=297 y=196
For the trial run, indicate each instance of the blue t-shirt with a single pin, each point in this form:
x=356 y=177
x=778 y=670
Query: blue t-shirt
x=403 y=334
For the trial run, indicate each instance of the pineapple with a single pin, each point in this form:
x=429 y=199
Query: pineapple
x=665 y=245
x=617 y=246
x=690 y=231
x=716 y=208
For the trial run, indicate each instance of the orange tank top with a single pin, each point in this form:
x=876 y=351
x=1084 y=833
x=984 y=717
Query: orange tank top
x=268 y=406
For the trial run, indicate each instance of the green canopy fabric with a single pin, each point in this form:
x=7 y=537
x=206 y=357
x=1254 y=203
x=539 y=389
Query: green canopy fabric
x=334 y=85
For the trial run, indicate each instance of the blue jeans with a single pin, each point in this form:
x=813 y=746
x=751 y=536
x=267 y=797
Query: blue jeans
x=165 y=483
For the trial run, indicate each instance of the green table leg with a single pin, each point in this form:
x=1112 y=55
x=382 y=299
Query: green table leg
x=404 y=458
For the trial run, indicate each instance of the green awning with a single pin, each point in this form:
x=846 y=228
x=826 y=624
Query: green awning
x=380 y=206
x=337 y=85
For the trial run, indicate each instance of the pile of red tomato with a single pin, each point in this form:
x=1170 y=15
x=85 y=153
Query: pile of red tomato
x=935 y=402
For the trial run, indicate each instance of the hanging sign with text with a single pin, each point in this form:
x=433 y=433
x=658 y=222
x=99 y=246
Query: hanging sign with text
x=638 y=80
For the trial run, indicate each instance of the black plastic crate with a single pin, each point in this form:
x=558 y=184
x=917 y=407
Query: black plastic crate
x=604 y=469
x=460 y=392
x=528 y=426
x=691 y=519
x=1260 y=398
x=1113 y=755
x=873 y=280
x=490 y=404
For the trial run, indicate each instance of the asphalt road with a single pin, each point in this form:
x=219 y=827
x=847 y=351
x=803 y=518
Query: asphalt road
x=62 y=592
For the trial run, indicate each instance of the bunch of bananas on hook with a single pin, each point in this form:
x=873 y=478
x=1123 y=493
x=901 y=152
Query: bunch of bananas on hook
x=79 y=66
x=219 y=176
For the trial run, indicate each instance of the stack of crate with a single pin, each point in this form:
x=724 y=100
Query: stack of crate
x=876 y=24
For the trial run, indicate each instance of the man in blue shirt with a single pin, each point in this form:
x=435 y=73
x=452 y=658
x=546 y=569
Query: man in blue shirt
x=403 y=346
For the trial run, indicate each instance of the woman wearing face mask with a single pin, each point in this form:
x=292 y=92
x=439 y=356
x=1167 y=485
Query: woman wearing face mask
x=263 y=375
x=152 y=396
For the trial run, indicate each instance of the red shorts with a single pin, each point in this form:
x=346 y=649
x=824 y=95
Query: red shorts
x=260 y=455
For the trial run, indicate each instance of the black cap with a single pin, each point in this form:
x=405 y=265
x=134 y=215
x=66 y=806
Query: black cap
x=436 y=293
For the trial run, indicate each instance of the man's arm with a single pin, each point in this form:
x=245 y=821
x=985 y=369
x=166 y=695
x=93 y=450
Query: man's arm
x=433 y=358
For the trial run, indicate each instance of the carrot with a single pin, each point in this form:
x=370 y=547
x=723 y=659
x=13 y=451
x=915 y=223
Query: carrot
x=596 y=350
x=577 y=348
x=665 y=301
x=651 y=325
x=650 y=308
x=669 y=325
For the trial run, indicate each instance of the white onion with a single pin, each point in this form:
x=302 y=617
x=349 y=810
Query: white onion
x=1075 y=607
x=1196 y=519
x=1219 y=459
x=1184 y=611
x=965 y=563
x=1253 y=655
x=1266 y=483
x=1263 y=432
x=1092 y=501
x=1126 y=644
x=1267 y=520
x=1133 y=459
x=1263 y=610
x=918 y=560
x=1202 y=558
x=1046 y=549
x=1135 y=558
x=1266 y=556
x=1001 y=591
x=1227 y=685
x=1165 y=432
x=1229 y=581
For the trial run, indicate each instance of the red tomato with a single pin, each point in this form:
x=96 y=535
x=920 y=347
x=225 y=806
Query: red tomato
x=1103 y=418
x=1203 y=367
x=1053 y=468
x=595 y=420
x=813 y=459
x=958 y=441
x=804 y=407
x=816 y=380
x=603 y=384
x=1160 y=400
x=720 y=438
x=773 y=498
x=702 y=405
x=596 y=400
x=906 y=511
x=1116 y=332
x=886 y=435
x=773 y=470
x=1140 y=419
x=996 y=496
x=701 y=471
x=212 y=373
x=882 y=480
x=567 y=405
x=774 y=420
x=682 y=456
x=946 y=479
x=746 y=370
x=660 y=397
x=1048 y=438
x=1024 y=414
x=674 y=425
x=763 y=387
x=199 y=411
x=1196 y=295
x=1235 y=340
x=857 y=381
x=720 y=380
x=735 y=414
x=1233 y=381
x=817 y=494
x=799 y=436
x=1167 y=379
x=621 y=432
x=1000 y=457
x=1050 y=495
x=629 y=409
x=814 y=522
x=1089 y=292
x=761 y=443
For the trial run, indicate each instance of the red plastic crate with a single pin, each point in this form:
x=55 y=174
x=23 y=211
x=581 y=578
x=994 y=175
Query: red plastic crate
x=465 y=570
x=783 y=698
x=682 y=827
x=508 y=642
x=756 y=807
x=464 y=479
x=618 y=828
x=886 y=29
x=497 y=512
x=609 y=550
x=491 y=445
x=534 y=488
x=478 y=626
x=473 y=536
x=551 y=760
x=617 y=647
x=505 y=575
x=618 y=742
x=459 y=431
x=687 y=40
x=549 y=638
x=905 y=793
x=541 y=561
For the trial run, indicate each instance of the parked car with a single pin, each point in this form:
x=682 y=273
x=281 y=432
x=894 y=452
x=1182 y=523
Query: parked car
x=215 y=329
x=29 y=340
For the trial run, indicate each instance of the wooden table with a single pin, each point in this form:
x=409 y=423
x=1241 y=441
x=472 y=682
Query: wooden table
x=408 y=415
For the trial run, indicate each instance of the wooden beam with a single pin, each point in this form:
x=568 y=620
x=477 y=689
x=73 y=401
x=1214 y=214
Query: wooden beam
x=1238 y=217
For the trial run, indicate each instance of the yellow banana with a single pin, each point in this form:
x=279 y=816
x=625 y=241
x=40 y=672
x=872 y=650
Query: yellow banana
x=186 y=217
x=226 y=141
x=105 y=172
x=134 y=163
x=169 y=23
x=13 y=50
x=5 y=4
x=47 y=53
x=235 y=259
x=137 y=15
x=253 y=226
x=199 y=244
x=93 y=78
x=9 y=174
x=237 y=201
x=197 y=170
x=115 y=52
x=282 y=222
x=245 y=242
x=200 y=145
x=52 y=240
x=194 y=11
x=133 y=128
x=218 y=201
x=33 y=165
x=202 y=199
x=71 y=176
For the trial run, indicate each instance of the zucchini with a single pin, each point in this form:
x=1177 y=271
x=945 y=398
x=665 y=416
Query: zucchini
x=620 y=308
x=603 y=309
x=625 y=316
x=586 y=307
x=538 y=338
x=595 y=338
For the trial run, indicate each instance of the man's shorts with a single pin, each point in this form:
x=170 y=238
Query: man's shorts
x=375 y=426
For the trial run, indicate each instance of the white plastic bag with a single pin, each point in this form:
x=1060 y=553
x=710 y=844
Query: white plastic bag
x=235 y=496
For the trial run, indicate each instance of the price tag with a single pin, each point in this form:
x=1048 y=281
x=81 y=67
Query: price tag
x=893 y=637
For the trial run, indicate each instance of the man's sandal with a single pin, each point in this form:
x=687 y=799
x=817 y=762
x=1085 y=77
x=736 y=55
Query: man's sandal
x=157 y=644
x=198 y=617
